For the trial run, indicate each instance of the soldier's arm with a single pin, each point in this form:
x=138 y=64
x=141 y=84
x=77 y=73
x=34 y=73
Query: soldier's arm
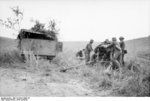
x=110 y=45
x=118 y=47
x=124 y=45
x=91 y=47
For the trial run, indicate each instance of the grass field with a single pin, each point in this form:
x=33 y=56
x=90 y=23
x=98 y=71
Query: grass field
x=39 y=77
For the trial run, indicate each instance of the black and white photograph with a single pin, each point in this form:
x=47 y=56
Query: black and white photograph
x=74 y=48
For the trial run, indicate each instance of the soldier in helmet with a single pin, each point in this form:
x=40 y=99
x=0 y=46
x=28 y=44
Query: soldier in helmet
x=116 y=52
x=88 y=50
x=107 y=41
x=122 y=45
x=80 y=54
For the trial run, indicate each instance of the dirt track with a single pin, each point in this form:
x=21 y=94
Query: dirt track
x=20 y=82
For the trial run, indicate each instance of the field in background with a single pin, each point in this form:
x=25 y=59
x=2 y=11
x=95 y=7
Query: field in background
x=133 y=46
x=39 y=77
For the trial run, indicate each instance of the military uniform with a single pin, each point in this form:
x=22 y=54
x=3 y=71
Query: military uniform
x=116 y=53
x=88 y=50
x=122 y=45
x=80 y=53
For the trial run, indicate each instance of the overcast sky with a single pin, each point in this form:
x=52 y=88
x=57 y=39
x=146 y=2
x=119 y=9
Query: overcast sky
x=82 y=20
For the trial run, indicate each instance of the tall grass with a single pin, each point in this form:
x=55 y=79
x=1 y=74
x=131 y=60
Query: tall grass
x=8 y=56
x=29 y=60
x=66 y=59
x=38 y=63
x=133 y=80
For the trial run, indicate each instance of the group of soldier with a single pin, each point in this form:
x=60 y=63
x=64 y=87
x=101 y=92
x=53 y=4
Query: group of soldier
x=116 y=50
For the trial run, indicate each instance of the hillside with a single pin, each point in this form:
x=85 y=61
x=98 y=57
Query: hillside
x=138 y=48
x=7 y=43
x=133 y=46
x=140 y=44
x=39 y=77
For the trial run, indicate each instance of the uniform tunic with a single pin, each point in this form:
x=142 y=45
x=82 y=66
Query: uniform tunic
x=88 y=50
x=122 y=45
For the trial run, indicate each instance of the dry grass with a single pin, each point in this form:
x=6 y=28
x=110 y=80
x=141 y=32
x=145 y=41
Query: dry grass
x=9 y=57
x=133 y=80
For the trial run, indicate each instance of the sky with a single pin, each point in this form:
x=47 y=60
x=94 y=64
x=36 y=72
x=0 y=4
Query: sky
x=82 y=20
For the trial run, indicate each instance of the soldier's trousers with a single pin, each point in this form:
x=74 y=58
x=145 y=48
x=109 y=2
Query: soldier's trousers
x=122 y=59
x=87 y=57
x=117 y=56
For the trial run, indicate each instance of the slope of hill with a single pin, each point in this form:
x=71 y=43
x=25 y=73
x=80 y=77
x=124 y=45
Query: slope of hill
x=7 y=43
x=140 y=46
x=76 y=45
x=134 y=47
x=36 y=77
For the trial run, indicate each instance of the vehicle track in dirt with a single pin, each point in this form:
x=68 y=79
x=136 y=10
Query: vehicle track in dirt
x=20 y=82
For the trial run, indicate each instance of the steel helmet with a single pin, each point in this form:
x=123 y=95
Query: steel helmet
x=121 y=38
x=114 y=39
